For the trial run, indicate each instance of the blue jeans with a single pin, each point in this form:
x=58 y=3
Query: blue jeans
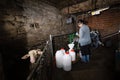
x=85 y=58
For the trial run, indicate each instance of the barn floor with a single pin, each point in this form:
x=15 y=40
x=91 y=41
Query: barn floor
x=100 y=67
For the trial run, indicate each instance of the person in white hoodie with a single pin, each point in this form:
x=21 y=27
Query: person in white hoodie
x=84 y=40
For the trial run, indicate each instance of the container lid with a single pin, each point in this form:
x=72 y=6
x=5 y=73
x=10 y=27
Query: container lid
x=67 y=52
x=62 y=49
x=72 y=50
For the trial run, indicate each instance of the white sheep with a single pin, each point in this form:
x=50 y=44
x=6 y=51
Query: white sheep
x=33 y=55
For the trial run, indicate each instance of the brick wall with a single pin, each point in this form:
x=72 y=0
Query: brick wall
x=107 y=22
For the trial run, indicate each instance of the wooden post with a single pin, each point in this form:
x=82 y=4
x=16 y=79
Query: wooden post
x=51 y=44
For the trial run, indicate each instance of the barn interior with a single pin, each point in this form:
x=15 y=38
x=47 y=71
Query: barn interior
x=51 y=25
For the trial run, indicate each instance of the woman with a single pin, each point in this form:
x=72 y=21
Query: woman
x=84 y=40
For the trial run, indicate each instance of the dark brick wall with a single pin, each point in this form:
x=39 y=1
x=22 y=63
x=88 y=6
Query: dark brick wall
x=107 y=22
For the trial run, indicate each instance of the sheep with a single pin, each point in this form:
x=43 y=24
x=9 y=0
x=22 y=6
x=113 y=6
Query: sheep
x=33 y=55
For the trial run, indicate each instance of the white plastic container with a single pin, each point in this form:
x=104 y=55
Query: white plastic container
x=63 y=50
x=59 y=59
x=73 y=55
x=67 y=62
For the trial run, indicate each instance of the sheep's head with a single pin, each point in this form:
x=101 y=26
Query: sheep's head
x=38 y=51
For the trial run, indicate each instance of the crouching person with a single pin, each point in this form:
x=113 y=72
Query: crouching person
x=84 y=40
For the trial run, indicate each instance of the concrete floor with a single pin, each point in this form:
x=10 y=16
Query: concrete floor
x=100 y=67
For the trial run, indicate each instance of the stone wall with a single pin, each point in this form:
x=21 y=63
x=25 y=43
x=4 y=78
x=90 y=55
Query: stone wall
x=25 y=24
x=31 y=21
x=48 y=21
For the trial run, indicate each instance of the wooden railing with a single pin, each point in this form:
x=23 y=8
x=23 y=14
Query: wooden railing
x=42 y=69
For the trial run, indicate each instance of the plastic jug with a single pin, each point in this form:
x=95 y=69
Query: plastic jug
x=62 y=50
x=59 y=59
x=73 y=55
x=67 y=62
